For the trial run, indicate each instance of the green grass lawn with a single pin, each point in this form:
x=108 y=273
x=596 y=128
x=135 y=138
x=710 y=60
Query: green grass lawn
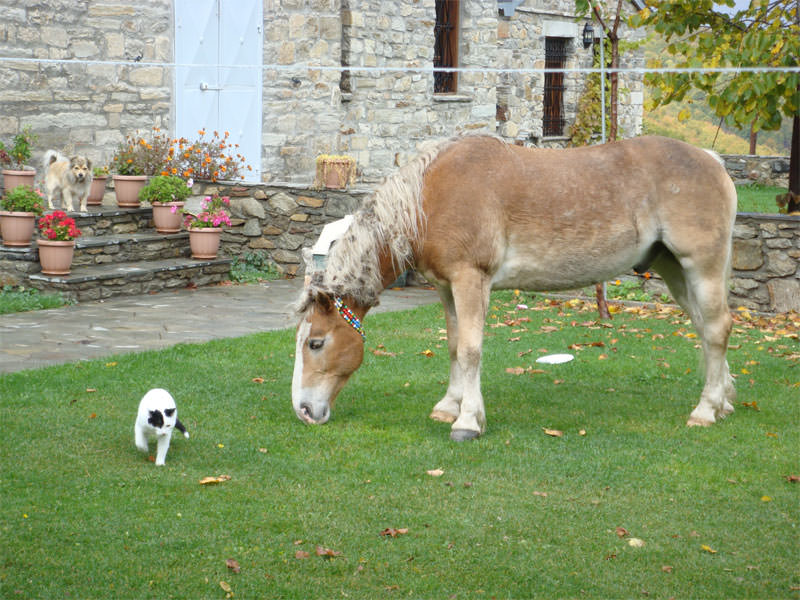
x=758 y=198
x=515 y=514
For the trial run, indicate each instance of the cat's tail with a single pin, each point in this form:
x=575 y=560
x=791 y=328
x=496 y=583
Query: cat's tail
x=179 y=426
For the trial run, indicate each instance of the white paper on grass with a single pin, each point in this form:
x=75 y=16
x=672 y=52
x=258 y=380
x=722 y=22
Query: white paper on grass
x=554 y=359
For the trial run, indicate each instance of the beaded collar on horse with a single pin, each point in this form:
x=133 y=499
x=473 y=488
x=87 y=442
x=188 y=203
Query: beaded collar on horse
x=348 y=316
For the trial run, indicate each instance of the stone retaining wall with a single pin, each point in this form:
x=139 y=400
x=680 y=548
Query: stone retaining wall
x=282 y=220
x=766 y=262
x=766 y=170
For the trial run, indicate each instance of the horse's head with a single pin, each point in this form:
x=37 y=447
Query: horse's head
x=330 y=347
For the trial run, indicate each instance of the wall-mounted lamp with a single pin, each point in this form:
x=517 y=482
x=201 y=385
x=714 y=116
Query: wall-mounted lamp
x=588 y=35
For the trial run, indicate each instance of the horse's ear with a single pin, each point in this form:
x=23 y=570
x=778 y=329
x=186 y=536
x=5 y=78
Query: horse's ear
x=324 y=301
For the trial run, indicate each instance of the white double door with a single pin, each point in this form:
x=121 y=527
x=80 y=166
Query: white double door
x=218 y=81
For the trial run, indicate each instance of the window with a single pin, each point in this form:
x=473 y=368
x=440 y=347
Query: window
x=445 y=45
x=555 y=58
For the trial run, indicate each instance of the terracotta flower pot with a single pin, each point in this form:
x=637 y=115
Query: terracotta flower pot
x=56 y=256
x=97 y=191
x=126 y=188
x=336 y=173
x=165 y=219
x=17 y=227
x=13 y=178
x=204 y=241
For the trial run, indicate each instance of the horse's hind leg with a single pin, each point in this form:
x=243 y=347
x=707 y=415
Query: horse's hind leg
x=703 y=297
x=447 y=409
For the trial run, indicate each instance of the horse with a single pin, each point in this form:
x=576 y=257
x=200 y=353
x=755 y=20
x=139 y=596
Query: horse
x=473 y=213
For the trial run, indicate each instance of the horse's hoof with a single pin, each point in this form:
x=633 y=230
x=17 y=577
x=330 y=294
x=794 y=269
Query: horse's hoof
x=695 y=422
x=443 y=417
x=463 y=435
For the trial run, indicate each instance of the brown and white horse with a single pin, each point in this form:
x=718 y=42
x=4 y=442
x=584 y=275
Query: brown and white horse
x=473 y=213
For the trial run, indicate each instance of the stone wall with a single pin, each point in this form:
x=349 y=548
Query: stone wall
x=91 y=72
x=84 y=106
x=282 y=220
x=767 y=170
x=766 y=262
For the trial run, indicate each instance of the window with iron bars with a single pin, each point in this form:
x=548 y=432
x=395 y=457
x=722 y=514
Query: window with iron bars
x=445 y=46
x=555 y=58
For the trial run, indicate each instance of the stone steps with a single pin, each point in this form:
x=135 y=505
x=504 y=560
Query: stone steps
x=95 y=282
x=118 y=253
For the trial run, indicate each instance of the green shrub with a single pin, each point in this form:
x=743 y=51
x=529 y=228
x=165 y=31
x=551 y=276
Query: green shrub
x=253 y=267
x=165 y=188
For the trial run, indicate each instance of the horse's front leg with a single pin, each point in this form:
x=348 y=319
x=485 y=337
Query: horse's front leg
x=447 y=409
x=471 y=299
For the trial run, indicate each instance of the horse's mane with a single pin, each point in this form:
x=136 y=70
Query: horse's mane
x=388 y=219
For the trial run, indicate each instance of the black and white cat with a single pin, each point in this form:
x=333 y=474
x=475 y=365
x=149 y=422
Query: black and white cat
x=157 y=417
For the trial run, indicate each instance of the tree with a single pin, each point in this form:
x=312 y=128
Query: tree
x=702 y=34
x=610 y=22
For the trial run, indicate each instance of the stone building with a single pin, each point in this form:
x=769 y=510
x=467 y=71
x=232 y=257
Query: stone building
x=292 y=79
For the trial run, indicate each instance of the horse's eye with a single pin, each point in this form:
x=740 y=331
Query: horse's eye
x=315 y=344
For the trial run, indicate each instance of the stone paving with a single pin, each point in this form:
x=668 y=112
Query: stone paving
x=103 y=328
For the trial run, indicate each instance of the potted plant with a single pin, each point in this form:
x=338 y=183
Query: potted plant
x=136 y=159
x=13 y=159
x=20 y=207
x=166 y=193
x=335 y=171
x=205 y=227
x=207 y=159
x=98 y=189
x=57 y=244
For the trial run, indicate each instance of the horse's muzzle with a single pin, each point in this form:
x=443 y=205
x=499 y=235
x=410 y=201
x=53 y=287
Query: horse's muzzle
x=307 y=414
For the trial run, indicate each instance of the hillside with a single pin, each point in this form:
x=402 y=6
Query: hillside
x=703 y=125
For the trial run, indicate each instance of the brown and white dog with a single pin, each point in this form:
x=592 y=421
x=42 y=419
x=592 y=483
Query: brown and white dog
x=70 y=177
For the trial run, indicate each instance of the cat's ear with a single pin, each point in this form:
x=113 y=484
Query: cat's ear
x=169 y=411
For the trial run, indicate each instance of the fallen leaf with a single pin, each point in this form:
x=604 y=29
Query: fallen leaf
x=427 y=353
x=553 y=432
x=111 y=364
x=515 y=370
x=582 y=432
x=93 y=416
x=214 y=480
x=793 y=478
x=326 y=552
x=708 y=549
x=301 y=554
x=90 y=390
x=766 y=499
x=753 y=405
x=233 y=565
x=621 y=532
x=558 y=381
x=636 y=543
x=392 y=532
x=263 y=450
x=666 y=569
x=435 y=472
x=258 y=380
x=225 y=587
x=540 y=494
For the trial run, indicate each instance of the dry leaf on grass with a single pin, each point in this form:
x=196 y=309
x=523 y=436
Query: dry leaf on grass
x=636 y=543
x=301 y=554
x=435 y=472
x=553 y=432
x=326 y=552
x=214 y=480
x=227 y=589
x=621 y=532
x=392 y=532
x=233 y=565
x=708 y=549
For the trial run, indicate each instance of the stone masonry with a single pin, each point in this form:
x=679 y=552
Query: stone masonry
x=282 y=220
x=84 y=74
